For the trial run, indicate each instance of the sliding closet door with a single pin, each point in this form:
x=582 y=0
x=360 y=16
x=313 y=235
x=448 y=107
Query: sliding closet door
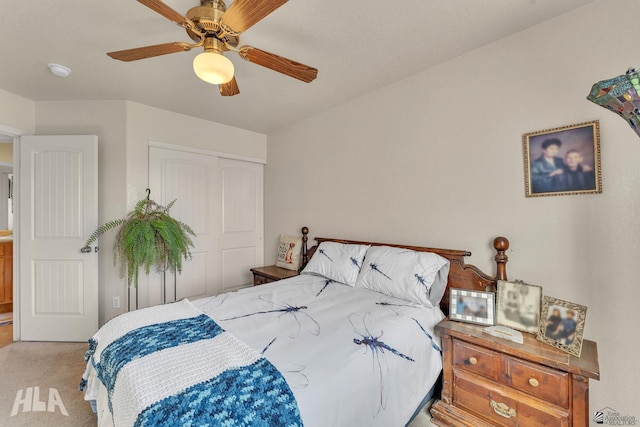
x=222 y=200
x=191 y=180
x=242 y=228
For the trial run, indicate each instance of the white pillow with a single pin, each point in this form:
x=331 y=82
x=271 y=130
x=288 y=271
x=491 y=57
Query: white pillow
x=289 y=251
x=337 y=261
x=402 y=273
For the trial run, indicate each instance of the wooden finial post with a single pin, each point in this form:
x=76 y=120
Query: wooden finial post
x=501 y=244
x=305 y=253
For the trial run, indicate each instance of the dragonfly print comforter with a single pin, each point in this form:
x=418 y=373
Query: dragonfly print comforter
x=172 y=365
x=352 y=357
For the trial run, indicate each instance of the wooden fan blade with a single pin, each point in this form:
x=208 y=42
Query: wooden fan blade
x=278 y=63
x=166 y=11
x=149 y=51
x=243 y=14
x=230 y=88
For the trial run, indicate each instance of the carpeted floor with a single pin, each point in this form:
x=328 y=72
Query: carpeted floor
x=423 y=419
x=39 y=385
x=6 y=335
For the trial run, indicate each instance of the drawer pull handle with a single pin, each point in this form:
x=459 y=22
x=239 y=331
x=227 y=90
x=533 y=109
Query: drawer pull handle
x=533 y=382
x=473 y=360
x=503 y=410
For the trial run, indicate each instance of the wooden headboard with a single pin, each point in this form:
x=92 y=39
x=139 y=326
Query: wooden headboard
x=461 y=275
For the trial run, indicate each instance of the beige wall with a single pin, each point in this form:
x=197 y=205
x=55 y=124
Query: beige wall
x=436 y=159
x=124 y=131
x=6 y=151
x=16 y=113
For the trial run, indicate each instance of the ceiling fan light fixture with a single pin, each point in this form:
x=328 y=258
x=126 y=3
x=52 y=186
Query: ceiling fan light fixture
x=212 y=67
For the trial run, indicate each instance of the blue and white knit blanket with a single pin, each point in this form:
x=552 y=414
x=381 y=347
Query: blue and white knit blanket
x=173 y=365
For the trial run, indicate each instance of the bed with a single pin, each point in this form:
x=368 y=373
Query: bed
x=348 y=342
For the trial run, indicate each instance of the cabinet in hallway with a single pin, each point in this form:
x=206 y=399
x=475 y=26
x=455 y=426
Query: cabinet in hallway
x=6 y=275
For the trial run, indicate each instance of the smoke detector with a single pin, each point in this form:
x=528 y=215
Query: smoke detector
x=59 y=70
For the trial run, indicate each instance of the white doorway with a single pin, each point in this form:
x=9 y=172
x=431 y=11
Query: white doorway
x=6 y=183
x=6 y=241
x=8 y=133
x=222 y=200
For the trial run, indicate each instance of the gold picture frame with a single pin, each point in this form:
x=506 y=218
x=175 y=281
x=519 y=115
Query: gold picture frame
x=562 y=325
x=563 y=160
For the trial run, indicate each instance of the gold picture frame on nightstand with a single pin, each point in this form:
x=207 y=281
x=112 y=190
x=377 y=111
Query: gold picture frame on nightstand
x=562 y=325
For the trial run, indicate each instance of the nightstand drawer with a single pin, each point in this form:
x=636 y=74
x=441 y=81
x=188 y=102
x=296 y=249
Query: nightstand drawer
x=539 y=381
x=270 y=273
x=261 y=280
x=478 y=360
x=503 y=407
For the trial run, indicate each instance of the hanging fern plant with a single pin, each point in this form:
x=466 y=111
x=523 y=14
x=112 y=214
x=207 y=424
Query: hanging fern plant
x=148 y=237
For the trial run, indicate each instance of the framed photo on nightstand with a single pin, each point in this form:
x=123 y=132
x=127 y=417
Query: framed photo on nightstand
x=562 y=325
x=518 y=305
x=472 y=306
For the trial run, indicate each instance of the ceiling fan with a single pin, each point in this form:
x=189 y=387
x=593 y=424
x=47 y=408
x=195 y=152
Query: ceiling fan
x=217 y=29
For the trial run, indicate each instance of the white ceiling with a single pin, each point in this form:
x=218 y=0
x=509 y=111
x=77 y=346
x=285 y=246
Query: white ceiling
x=357 y=46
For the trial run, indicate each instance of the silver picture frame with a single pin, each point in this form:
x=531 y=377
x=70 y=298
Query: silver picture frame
x=472 y=306
x=518 y=305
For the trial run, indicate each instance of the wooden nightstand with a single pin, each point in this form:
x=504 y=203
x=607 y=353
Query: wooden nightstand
x=489 y=381
x=271 y=273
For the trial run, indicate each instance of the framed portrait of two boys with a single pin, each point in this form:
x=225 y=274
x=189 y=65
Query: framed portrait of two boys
x=562 y=325
x=563 y=160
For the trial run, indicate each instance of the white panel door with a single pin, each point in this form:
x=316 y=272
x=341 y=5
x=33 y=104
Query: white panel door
x=59 y=209
x=191 y=180
x=242 y=228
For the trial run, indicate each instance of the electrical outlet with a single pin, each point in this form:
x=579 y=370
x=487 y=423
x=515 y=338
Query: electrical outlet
x=116 y=302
